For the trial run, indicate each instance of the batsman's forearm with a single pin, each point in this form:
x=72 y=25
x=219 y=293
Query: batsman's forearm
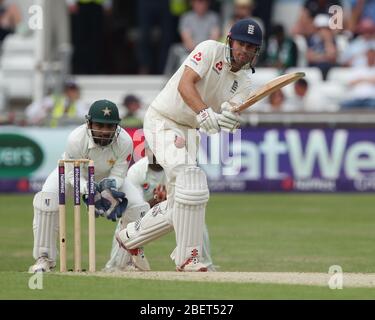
x=191 y=96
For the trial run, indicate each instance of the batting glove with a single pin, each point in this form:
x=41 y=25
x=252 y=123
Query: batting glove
x=207 y=120
x=228 y=120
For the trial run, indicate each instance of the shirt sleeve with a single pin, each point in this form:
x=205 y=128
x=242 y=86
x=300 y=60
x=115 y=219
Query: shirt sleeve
x=201 y=58
x=135 y=177
x=120 y=168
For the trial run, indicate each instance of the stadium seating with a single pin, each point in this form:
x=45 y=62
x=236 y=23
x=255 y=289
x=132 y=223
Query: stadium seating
x=17 y=64
x=116 y=87
x=339 y=75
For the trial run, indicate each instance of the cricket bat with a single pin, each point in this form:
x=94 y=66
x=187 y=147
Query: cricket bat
x=269 y=88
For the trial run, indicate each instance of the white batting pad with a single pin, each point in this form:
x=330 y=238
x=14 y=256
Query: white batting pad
x=45 y=224
x=152 y=226
x=206 y=249
x=191 y=197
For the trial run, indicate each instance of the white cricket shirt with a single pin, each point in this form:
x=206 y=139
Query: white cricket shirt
x=111 y=161
x=217 y=85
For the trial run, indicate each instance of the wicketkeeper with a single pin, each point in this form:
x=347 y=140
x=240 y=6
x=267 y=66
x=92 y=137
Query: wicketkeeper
x=102 y=140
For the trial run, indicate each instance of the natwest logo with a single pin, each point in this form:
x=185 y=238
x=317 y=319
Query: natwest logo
x=300 y=158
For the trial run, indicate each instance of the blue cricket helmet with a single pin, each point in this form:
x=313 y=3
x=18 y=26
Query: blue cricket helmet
x=246 y=30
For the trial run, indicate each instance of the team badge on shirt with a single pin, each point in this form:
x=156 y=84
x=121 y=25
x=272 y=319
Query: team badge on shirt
x=111 y=162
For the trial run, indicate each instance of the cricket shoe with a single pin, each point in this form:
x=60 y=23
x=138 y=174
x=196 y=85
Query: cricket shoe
x=42 y=264
x=138 y=256
x=192 y=265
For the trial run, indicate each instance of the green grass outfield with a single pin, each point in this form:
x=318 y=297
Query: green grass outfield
x=252 y=233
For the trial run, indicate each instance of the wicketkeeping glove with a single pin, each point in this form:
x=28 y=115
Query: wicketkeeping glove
x=107 y=183
x=114 y=204
x=99 y=205
x=228 y=120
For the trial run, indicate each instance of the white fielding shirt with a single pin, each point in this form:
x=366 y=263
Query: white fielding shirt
x=111 y=161
x=217 y=84
x=145 y=179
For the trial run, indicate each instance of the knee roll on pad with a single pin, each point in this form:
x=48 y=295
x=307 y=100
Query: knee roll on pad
x=46 y=201
x=191 y=187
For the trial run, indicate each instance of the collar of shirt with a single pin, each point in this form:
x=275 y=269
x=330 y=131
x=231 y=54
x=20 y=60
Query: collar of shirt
x=92 y=144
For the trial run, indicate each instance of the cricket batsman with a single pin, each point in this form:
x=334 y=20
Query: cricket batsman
x=198 y=96
x=102 y=140
x=149 y=179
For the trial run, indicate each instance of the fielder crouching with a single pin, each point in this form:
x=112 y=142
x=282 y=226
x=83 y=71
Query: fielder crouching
x=148 y=177
x=102 y=140
x=199 y=95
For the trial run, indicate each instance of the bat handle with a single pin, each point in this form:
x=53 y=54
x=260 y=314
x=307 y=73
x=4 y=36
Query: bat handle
x=235 y=109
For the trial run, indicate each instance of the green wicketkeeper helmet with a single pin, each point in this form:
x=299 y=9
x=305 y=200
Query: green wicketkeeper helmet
x=103 y=111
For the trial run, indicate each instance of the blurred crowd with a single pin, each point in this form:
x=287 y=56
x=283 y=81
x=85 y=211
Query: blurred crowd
x=151 y=37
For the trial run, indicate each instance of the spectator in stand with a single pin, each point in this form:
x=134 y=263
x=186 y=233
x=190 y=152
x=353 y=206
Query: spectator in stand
x=196 y=25
x=300 y=100
x=154 y=15
x=322 y=51
x=361 y=93
x=87 y=18
x=133 y=114
x=241 y=9
x=263 y=9
x=52 y=109
x=356 y=53
x=199 y=24
x=361 y=9
x=311 y=8
x=276 y=102
x=10 y=17
x=281 y=51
